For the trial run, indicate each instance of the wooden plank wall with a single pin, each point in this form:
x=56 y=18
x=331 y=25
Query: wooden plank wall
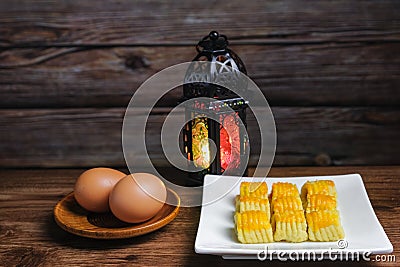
x=329 y=69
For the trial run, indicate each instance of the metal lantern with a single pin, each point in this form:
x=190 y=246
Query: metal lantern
x=214 y=111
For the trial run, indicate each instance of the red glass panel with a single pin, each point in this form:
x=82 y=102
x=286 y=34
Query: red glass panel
x=229 y=141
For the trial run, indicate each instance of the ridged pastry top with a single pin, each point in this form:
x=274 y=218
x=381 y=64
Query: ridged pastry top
x=282 y=204
x=296 y=216
x=320 y=202
x=282 y=189
x=322 y=187
x=254 y=189
x=322 y=219
x=252 y=220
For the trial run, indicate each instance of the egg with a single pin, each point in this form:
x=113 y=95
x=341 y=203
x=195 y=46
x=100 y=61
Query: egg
x=92 y=188
x=137 y=197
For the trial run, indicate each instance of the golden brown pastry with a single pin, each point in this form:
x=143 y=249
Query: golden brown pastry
x=323 y=220
x=290 y=226
x=324 y=225
x=245 y=203
x=253 y=227
x=254 y=189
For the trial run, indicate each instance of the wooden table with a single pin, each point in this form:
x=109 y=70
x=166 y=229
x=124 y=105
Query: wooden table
x=30 y=237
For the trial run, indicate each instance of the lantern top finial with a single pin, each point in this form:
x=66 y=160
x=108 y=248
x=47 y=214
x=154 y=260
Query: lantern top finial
x=214 y=35
x=212 y=42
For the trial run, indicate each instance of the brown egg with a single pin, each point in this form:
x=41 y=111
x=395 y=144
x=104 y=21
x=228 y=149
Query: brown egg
x=137 y=197
x=93 y=187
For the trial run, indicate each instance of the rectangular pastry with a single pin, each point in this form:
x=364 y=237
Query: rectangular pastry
x=290 y=203
x=324 y=225
x=288 y=219
x=254 y=189
x=290 y=226
x=282 y=189
x=318 y=202
x=319 y=199
x=322 y=187
x=253 y=227
x=248 y=203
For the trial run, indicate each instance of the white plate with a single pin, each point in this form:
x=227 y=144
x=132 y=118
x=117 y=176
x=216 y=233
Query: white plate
x=215 y=235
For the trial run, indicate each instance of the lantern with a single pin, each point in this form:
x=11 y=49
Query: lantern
x=215 y=112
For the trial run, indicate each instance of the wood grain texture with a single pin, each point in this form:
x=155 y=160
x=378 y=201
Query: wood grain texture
x=92 y=137
x=351 y=74
x=165 y=22
x=30 y=237
x=67 y=71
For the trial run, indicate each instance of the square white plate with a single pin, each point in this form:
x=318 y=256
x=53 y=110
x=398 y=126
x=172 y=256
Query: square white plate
x=216 y=236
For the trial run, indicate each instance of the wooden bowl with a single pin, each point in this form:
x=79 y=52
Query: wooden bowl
x=71 y=217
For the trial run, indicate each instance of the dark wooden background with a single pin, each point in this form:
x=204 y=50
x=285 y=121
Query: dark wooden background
x=330 y=70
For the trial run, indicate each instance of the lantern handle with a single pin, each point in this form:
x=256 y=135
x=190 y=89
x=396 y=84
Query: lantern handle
x=212 y=37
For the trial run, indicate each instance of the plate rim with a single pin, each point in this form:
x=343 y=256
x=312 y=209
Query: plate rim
x=126 y=232
x=201 y=249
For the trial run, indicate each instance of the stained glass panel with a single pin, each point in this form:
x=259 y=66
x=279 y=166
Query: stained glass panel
x=200 y=146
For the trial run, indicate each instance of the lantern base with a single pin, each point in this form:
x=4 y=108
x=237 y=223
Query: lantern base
x=197 y=178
